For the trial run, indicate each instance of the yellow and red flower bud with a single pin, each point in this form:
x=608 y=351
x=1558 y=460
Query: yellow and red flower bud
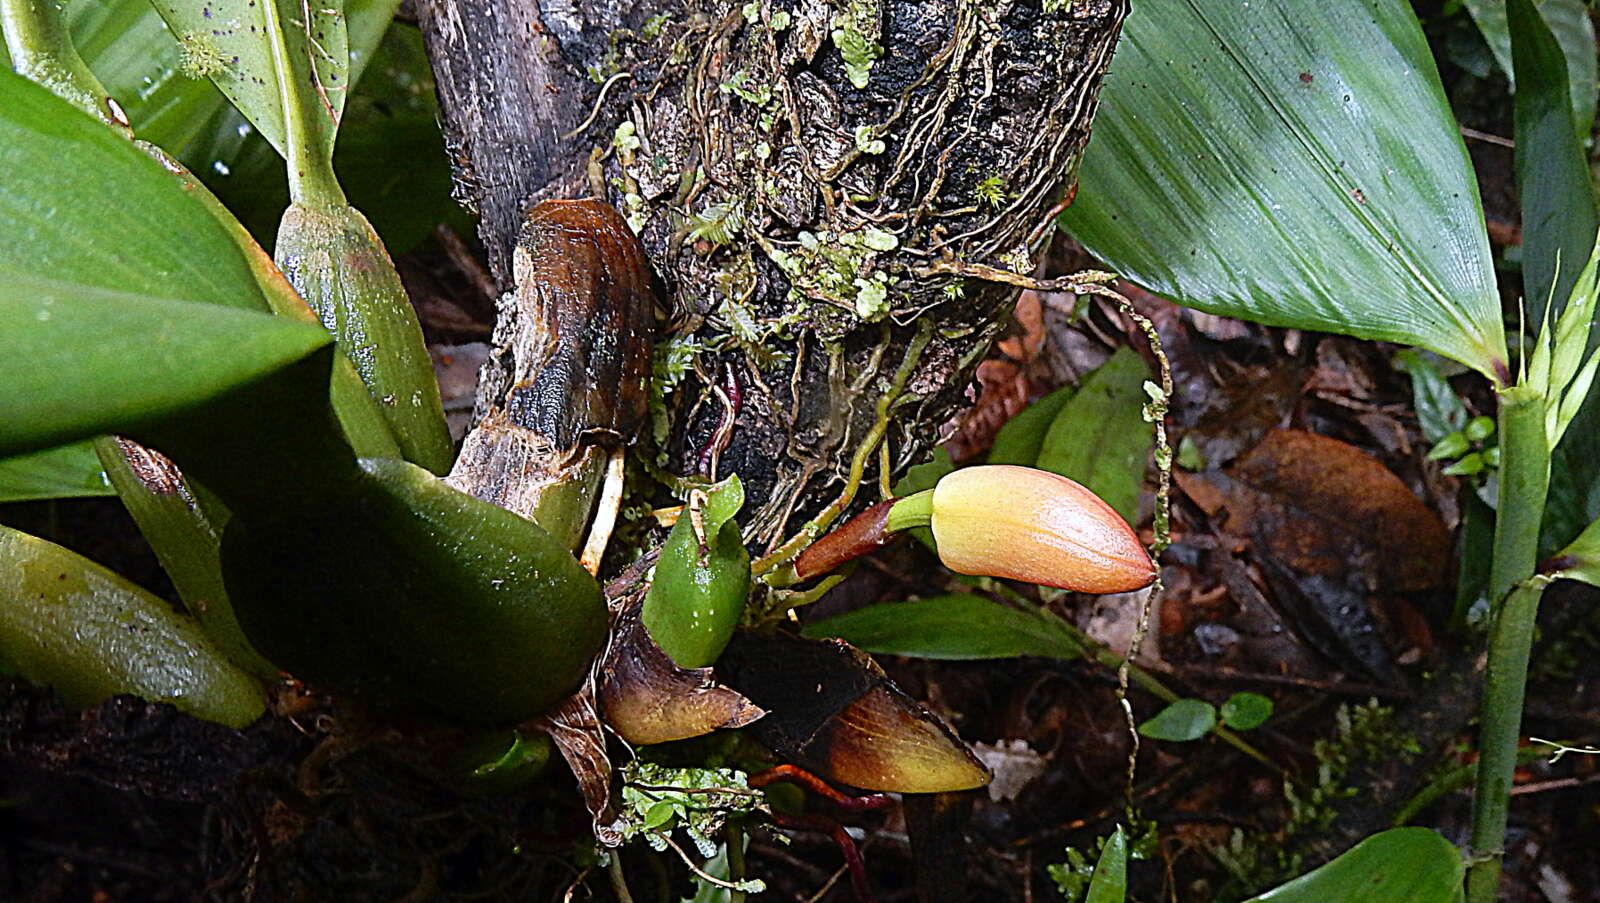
x=1000 y=520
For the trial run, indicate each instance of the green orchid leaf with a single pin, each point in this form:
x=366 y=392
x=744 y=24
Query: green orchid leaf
x=698 y=593
x=955 y=627
x=69 y=471
x=284 y=64
x=1109 y=883
x=1293 y=165
x=391 y=115
x=70 y=623
x=1020 y=440
x=79 y=361
x=1099 y=437
x=183 y=524
x=96 y=211
x=1569 y=21
x=99 y=213
x=1182 y=721
x=1403 y=865
x=1558 y=211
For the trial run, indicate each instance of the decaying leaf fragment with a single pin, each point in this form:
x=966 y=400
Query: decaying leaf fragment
x=647 y=698
x=832 y=711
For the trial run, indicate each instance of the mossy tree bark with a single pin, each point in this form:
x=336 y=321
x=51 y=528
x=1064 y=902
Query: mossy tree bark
x=804 y=174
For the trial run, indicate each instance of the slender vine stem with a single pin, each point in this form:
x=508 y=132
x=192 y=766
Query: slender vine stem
x=1104 y=656
x=1524 y=482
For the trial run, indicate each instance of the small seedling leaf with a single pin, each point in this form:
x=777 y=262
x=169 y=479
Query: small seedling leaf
x=1246 y=711
x=1184 y=720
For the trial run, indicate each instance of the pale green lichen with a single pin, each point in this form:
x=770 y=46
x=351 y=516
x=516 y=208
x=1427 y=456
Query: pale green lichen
x=837 y=267
x=199 y=55
x=654 y=25
x=747 y=89
x=855 y=33
x=625 y=139
x=867 y=140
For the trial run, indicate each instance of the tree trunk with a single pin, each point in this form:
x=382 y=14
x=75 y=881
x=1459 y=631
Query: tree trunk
x=804 y=175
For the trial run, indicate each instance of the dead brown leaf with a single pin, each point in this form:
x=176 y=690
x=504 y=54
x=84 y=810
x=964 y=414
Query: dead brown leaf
x=1326 y=508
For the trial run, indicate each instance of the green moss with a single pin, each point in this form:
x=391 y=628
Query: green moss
x=1364 y=734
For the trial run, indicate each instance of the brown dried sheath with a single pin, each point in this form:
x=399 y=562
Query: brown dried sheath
x=566 y=377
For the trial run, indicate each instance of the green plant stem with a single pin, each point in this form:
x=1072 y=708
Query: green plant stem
x=41 y=50
x=619 y=883
x=1456 y=778
x=735 y=841
x=1524 y=482
x=915 y=510
x=1500 y=724
x=311 y=178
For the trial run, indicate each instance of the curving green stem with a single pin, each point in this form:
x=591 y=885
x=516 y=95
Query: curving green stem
x=41 y=49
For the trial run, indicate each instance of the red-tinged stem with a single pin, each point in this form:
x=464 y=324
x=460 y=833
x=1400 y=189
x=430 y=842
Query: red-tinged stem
x=794 y=774
x=858 y=536
x=847 y=846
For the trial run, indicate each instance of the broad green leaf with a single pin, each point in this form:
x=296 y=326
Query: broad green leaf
x=1245 y=711
x=1099 y=438
x=698 y=592
x=134 y=54
x=1558 y=211
x=953 y=627
x=1184 y=720
x=70 y=623
x=1293 y=164
x=69 y=471
x=79 y=361
x=284 y=64
x=1403 y=865
x=97 y=212
x=1569 y=21
x=1019 y=441
x=1110 y=881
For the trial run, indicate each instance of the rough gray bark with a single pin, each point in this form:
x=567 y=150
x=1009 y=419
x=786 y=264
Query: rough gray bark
x=808 y=215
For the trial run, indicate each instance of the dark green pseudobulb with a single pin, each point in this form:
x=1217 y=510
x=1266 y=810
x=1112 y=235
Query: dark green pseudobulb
x=415 y=596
